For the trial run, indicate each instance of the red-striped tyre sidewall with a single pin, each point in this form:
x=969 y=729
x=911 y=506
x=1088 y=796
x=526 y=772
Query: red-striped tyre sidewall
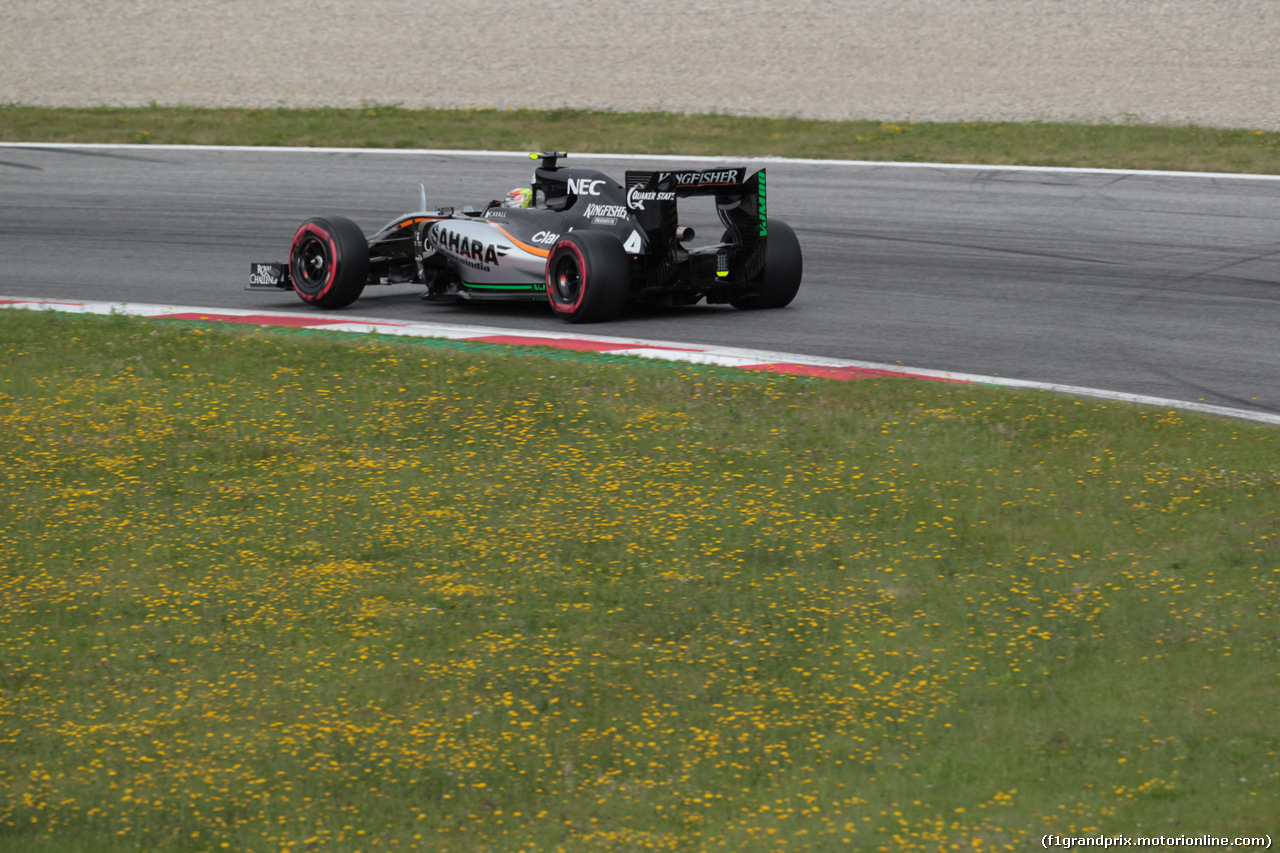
x=604 y=274
x=552 y=262
x=334 y=260
x=346 y=262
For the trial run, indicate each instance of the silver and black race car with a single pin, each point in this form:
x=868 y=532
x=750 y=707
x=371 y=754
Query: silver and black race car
x=576 y=239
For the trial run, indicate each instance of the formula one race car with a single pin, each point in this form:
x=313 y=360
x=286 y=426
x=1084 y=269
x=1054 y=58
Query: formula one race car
x=575 y=238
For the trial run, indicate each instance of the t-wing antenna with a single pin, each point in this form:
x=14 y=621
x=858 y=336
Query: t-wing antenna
x=549 y=158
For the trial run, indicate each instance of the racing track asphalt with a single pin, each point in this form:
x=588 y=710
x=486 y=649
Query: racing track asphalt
x=1165 y=285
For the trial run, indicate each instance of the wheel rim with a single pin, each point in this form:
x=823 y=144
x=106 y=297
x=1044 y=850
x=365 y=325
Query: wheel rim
x=311 y=263
x=566 y=279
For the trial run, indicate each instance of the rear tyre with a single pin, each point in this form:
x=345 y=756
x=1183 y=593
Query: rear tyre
x=329 y=262
x=783 y=267
x=587 y=277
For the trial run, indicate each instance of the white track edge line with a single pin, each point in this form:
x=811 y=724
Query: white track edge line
x=671 y=158
x=665 y=350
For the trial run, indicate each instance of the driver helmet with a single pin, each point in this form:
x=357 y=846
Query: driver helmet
x=519 y=197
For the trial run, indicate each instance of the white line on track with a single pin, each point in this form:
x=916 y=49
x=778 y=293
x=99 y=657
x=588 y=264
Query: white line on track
x=672 y=158
x=666 y=350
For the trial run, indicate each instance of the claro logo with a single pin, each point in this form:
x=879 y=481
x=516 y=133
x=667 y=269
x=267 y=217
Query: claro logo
x=585 y=186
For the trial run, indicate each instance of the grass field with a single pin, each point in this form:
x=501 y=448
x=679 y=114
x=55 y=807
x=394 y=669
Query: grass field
x=275 y=590
x=1129 y=146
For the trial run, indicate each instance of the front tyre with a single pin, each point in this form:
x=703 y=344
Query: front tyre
x=587 y=277
x=329 y=262
x=783 y=266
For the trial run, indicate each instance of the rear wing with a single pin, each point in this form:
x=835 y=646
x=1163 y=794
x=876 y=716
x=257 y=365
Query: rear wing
x=739 y=195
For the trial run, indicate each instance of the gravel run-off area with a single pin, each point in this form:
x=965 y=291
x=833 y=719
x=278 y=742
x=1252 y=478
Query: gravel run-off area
x=1207 y=62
